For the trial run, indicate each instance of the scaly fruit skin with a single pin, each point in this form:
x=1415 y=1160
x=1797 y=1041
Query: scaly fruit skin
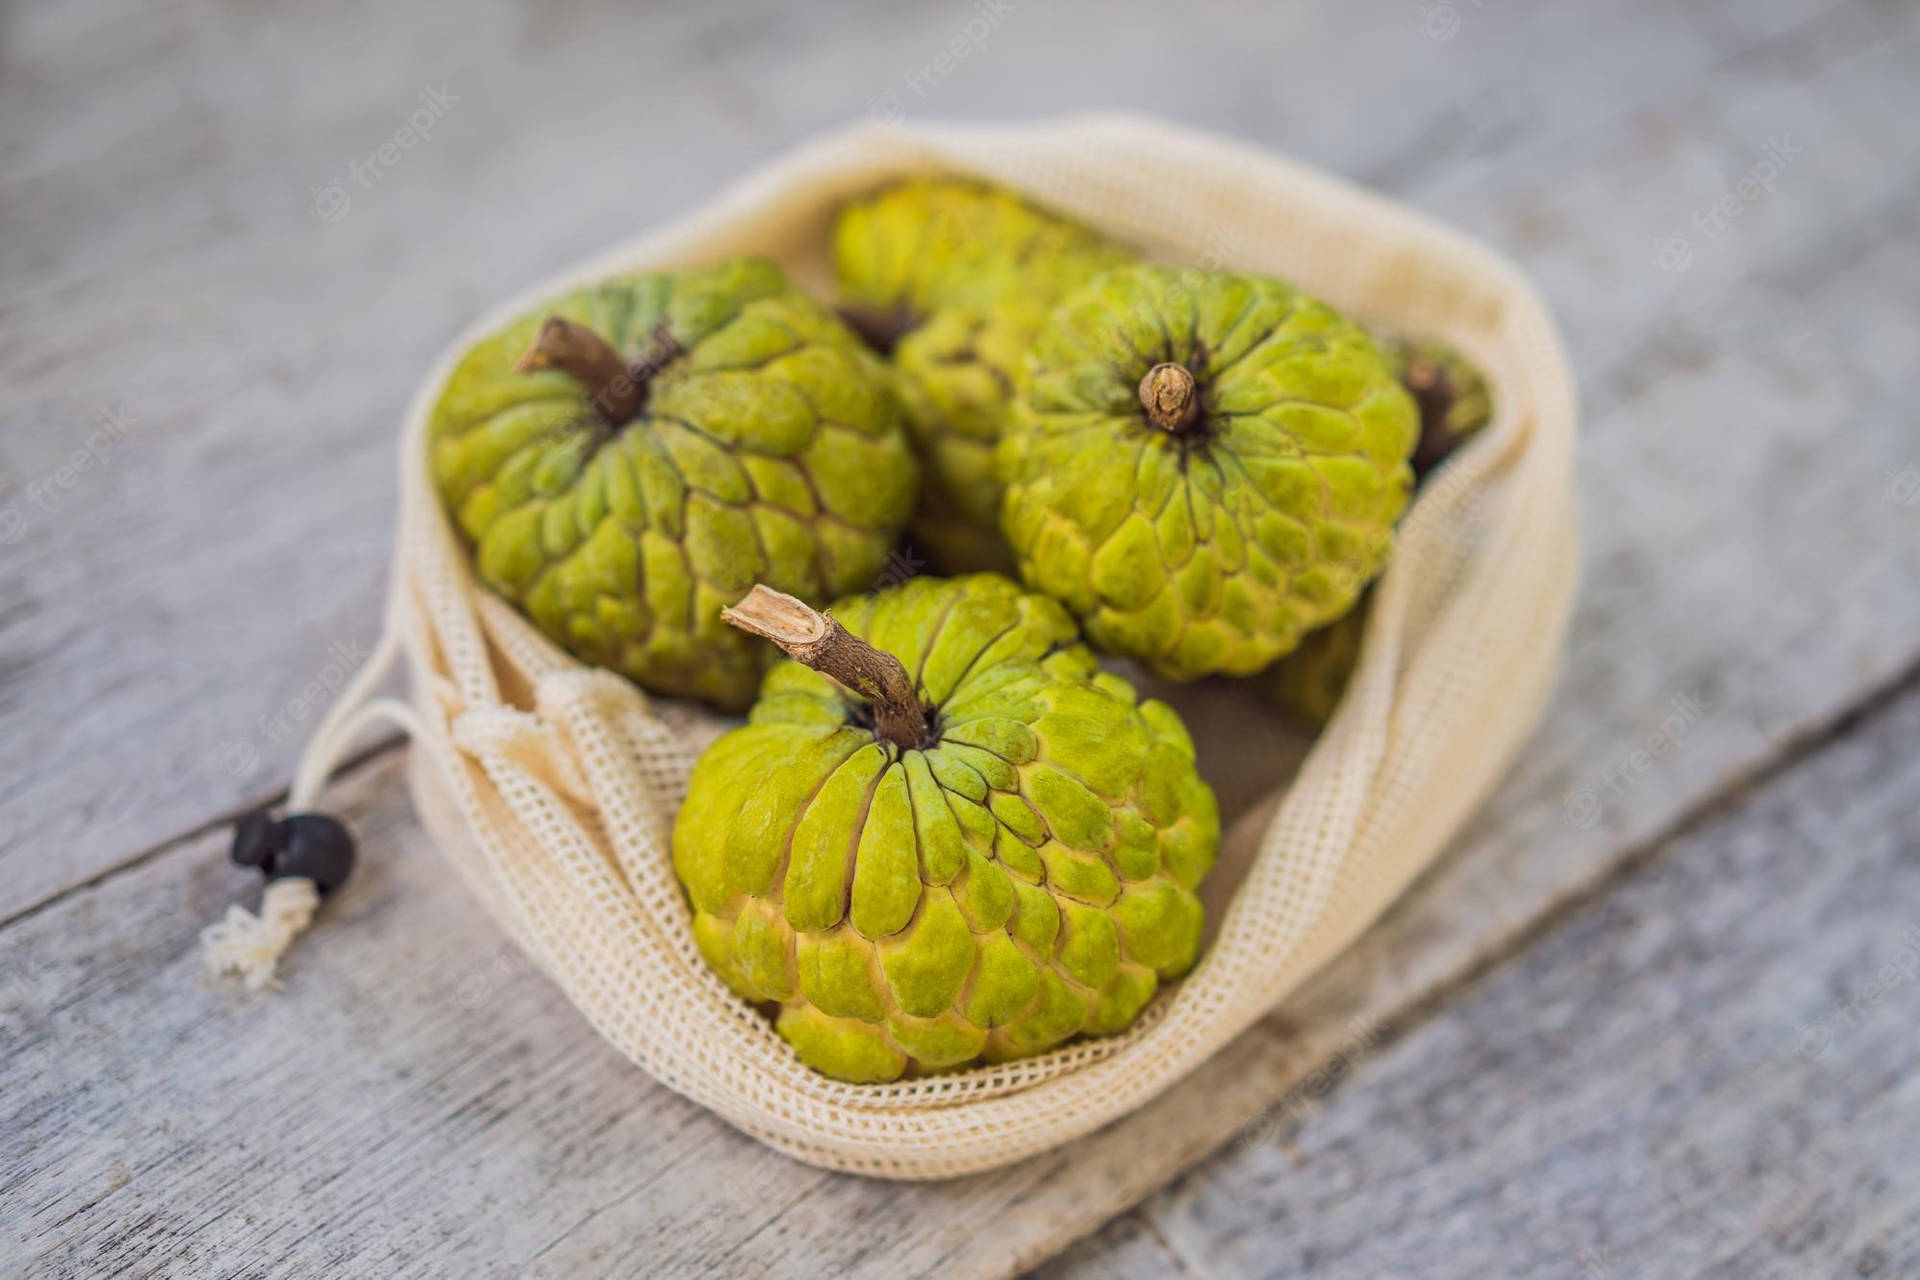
x=1213 y=544
x=1455 y=403
x=1029 y=876
x=769 y=448
x=1308 y=683
x=1454 y=397
x=972 y=272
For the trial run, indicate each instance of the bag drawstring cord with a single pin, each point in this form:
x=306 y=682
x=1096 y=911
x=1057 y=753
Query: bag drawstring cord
x=305 y=855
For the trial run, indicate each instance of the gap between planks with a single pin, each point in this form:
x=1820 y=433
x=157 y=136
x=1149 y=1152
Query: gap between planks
x=351 y=765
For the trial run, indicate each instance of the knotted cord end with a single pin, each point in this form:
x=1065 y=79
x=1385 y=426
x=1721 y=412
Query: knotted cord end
x=251 y=945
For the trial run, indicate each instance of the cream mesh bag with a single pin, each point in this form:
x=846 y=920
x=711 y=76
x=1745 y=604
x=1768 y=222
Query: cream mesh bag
x=553 y=786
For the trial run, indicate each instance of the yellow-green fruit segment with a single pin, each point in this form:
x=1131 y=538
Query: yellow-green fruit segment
x=1214 y=548
x=1028 y=876
x=1309 y=681
x=769 y=448
x=972 y=272
x=1456 y=403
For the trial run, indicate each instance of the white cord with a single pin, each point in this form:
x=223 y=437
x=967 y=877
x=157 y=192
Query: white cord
x=352 y=711
x=251 y=945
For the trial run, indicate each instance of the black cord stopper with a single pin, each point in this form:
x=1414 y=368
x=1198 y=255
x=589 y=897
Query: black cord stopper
x=315 y=846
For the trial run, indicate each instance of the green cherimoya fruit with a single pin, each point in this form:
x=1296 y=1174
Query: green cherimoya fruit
x=630 y=458
x=1308 y=683
x=1455 y=398
x=1203 y=466
x=969 y=851
x=953 y=279
x=1455 y=403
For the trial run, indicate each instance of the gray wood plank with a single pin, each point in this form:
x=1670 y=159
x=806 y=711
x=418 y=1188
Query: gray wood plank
x=208 y=348
x=1128 y=1248
x=417 y=1103
x=1709 y=1072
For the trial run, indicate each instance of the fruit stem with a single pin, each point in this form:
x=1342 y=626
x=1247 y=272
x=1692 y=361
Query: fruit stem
x=812 y=638
x=618 y=390
x=1171 y=397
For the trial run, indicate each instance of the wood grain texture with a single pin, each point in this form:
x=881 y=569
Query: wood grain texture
x=418 y=1102
x=218 y=290
x=1710 y=1072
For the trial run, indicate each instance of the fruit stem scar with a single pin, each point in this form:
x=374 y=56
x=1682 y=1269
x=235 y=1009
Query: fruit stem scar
x=815 y=640
x=618 y=390
x=1171 y=397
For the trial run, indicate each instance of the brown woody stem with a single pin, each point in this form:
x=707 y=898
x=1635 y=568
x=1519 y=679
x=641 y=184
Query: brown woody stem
x=1171 y=397
x=810 y=637
x=618 y=390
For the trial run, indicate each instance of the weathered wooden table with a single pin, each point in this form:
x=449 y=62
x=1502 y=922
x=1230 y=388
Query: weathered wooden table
x=1654 y=1016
